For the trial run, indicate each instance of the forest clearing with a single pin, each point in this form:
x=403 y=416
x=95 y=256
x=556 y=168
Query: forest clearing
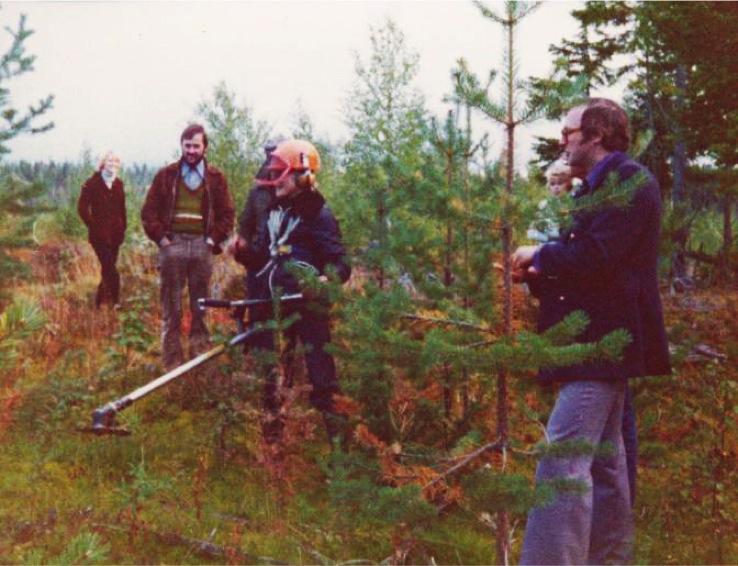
x=452 y=299
x=194 y=484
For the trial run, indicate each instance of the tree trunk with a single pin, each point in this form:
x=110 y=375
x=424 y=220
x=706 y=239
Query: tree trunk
x=381 y=234
x=727 y=206
x=503 y=519
x=678 y=168
x=448 y=392
x=467 y=266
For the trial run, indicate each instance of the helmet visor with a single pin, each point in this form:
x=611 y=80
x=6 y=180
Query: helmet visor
x=274 y=172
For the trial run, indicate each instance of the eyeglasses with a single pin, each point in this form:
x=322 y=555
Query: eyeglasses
x=566 y=132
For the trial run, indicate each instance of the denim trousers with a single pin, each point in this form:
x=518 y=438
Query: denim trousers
x=630 y=438
x=187 y=261
x=594 y=526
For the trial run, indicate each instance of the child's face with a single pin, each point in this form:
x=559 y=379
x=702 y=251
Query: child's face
x=558 y=185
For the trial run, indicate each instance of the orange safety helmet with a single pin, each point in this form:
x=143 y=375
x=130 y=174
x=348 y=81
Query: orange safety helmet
x=293 y=156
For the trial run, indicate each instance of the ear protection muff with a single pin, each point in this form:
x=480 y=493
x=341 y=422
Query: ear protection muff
x=305 y=179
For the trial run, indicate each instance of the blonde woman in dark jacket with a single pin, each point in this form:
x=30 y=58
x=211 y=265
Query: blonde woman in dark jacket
x=102 y=207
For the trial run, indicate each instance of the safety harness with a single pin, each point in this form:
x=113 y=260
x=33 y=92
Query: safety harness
x=279 y=249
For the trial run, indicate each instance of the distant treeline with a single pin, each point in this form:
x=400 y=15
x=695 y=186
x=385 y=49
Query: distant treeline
x=62 y=180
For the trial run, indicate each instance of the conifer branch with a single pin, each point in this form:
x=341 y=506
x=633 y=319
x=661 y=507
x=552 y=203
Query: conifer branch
x=612 y=194
x=527 y=9
x=487 y=13
x=435 y=320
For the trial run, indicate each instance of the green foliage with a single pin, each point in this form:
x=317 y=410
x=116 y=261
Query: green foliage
x=18 y=322
x=385 y=116
x=577 y=447
x=527 y=352
x=85 y=548
x=48 y=193
x=613 y=194
x=555 y=95
x=133 y=335
x=361 y=498
x=17 y=198
x=19 y=201
x=141 y=486
x=65 y=395
x=685 y=99
x=492 y=491
x=13 y=63
x=371 y=328
x=686 y=462
x=419 y=342
x=65 y=216
x=397 y=505
x=236 y=139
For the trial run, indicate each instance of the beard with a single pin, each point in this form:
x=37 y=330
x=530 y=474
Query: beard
x=193 y=160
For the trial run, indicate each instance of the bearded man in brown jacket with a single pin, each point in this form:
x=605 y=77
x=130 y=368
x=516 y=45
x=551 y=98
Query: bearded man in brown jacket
x=188 y=213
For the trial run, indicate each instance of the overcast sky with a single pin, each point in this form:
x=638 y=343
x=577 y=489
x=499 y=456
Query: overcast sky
x=129 y=75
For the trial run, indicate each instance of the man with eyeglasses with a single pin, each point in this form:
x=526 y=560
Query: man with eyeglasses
x=605 y=264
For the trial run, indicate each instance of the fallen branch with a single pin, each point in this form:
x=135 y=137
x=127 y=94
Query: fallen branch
x=204 y=548
x=496 y=445
x=320 y=558
x=703 y=352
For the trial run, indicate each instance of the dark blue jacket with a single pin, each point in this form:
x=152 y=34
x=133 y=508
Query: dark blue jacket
x=314 y=241
x=606 y=265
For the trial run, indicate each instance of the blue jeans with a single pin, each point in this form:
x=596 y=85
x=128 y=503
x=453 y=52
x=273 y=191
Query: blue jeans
x=630 y=438
x=595 y=527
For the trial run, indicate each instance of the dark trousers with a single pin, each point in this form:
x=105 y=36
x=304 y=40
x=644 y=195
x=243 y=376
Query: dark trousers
x=108 y=291
x=312 y=329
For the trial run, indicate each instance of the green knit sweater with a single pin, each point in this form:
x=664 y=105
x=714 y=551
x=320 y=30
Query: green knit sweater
x=188 y=210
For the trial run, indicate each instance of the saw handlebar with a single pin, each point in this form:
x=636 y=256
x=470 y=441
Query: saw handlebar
x=227 y=304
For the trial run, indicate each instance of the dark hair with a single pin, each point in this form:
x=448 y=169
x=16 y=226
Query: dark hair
x=606 y=118
x=191 y=131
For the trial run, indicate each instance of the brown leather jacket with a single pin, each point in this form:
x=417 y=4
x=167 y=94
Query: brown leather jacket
x=217 y=207
x=103 y=210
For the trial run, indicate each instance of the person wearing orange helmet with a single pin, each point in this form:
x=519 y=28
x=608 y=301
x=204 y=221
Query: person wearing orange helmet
x=297 y=232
